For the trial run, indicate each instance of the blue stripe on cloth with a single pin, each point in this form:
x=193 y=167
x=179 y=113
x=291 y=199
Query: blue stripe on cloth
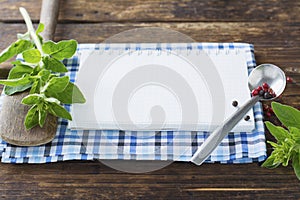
x=141 y=145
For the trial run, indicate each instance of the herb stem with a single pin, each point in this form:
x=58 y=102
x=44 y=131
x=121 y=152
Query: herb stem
x=31 y=29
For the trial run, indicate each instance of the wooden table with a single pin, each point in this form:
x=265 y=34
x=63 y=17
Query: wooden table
x=272 y=26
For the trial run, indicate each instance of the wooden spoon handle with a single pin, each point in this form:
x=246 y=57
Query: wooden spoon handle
x=49 y=16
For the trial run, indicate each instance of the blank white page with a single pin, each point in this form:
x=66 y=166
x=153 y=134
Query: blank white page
x=160 y=87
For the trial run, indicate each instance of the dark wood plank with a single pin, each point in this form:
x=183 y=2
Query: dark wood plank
x=89 y=180
x=156 y=10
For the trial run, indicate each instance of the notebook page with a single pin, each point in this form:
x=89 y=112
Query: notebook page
x=160 y=87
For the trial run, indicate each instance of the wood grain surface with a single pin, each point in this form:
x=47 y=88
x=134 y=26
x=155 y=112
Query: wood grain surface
x=273 y=26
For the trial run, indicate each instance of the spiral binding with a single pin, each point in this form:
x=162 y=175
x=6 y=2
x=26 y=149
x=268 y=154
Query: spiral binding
x=157 y=49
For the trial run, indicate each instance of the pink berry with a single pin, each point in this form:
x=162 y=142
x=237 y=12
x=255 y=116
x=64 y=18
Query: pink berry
x=271 y=110
x=268 y=114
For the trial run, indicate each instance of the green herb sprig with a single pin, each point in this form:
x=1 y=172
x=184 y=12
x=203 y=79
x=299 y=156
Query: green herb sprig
x=41 y=73
x=287 y=148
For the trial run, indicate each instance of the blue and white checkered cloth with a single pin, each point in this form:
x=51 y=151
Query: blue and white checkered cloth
x=142 y=145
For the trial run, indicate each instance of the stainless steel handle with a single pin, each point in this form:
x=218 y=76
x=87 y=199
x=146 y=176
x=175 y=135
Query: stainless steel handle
x=218 y=135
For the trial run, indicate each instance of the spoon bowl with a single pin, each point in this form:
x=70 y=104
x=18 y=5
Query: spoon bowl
x=270 y=74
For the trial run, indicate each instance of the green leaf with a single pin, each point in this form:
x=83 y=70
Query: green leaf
x=59 y=111
x=44 y=74
x=35 y=88
x=71 y=94
x=296 y=164
x=40 y=28
x=24 y=80
x=25 y=36
x=54 y=65
x=42 y=117
x=8 y=90
x=295 y=132
x=19 y=70
x=32 y=117
x=57 y=84
x=32 y=56
x=32 y=99
x=270 y=163
x=15 y=48
x=278 y=132
x=288 y=115
x=61 y=50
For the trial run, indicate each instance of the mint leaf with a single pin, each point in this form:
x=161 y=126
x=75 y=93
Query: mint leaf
x=288 y=115
x=61 y=50
x=24 y=80
x=278 y=132
x=71 y=94
x=32 y=118
x=59 y=111
x=32 y=99
x=32 y=56
x=42 y=117
x=54 y=65
x=15 y=48
x=56 y=84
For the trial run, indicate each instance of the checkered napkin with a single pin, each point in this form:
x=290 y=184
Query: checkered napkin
x=69 y=144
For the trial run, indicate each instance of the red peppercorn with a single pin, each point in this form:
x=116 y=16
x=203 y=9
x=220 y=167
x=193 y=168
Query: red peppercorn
x=265 y=107
x=259 y=88
x=265 y=86
x=254 y=92
x=268 y=114
x=271 y=110
x=289 y=79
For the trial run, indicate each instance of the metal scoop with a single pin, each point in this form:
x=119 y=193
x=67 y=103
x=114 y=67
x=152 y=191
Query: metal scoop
x=268 y=73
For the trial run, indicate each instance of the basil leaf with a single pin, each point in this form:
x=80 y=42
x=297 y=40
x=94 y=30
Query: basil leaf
x=32 y=117
x=19 y=70
x=71 y=94
x=61 y=50
x=296 y=164
x=278 y=132
x=32 y=56
x=32 y=99
x=288 y=115
x=8 y=90
x=24 y=80
x=54 y=65
x=15 y=48
x=295 y=132
x=59 y=111
x=35 y=88
x=40 y=28
x=25 y=36
x=270 y=162
x=42 y=117
x=57 y=84
x=44 y=74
